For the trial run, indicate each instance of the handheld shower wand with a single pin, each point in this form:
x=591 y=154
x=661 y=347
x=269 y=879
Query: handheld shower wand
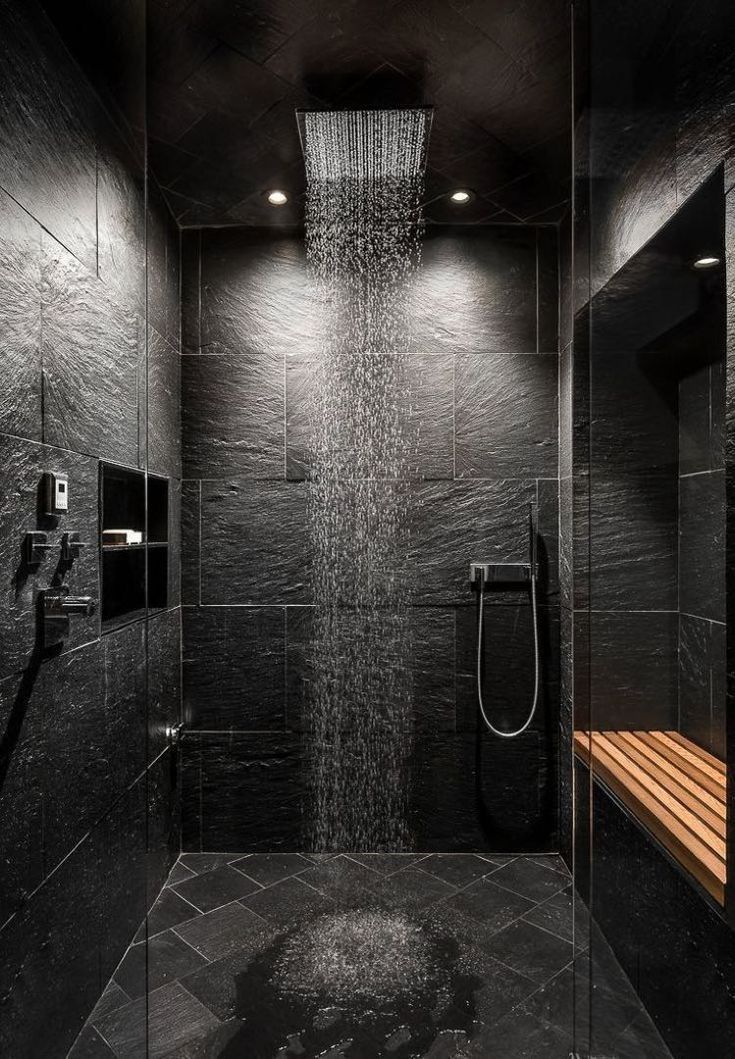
x=506 y=573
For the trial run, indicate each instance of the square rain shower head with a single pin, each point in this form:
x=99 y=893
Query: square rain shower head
x=365 y=144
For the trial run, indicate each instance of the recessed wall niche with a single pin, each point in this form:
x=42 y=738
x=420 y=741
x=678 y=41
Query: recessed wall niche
x=134 y=544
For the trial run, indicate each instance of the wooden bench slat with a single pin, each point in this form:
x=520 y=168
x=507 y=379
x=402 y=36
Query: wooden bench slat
x=696 y=760
x=687 y=796
x=671 y=752
x=705 y=755
x=671 y=790
x=681 y=815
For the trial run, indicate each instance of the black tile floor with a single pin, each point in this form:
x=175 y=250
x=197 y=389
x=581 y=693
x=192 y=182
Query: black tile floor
x=356 y=957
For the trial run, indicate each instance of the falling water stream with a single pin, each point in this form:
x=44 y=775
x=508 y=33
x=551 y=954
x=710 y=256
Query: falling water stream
x=363 y=977
x=364 y=179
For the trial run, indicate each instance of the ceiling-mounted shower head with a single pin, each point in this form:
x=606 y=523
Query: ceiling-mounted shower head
x=365 y=144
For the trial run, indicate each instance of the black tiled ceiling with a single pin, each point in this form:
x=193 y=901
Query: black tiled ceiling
x=226 y=75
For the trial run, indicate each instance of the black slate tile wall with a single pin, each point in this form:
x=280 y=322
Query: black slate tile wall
x=223 y=437
x=424 y=394
x=50 y=169
x=661 y=83
x=20 y=274
x=702 y=555
x=506 y=416
x=89 y=821
x=701 y=545
x=481 y=424
x=702 y=691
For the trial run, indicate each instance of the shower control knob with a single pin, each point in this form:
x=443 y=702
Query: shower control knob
x=71 y=547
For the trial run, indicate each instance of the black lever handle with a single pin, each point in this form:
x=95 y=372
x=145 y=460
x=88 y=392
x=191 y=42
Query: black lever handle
x=71 y=546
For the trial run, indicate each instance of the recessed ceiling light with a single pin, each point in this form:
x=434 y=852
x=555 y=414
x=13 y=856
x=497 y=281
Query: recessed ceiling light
x=706 y=262
x=277 y=198
x=460 y=196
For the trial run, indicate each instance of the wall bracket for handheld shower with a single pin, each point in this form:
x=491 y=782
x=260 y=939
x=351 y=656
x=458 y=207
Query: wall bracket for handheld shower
x=500 y=573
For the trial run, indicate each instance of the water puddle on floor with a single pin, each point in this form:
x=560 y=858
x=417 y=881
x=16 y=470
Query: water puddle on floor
x=354 y=984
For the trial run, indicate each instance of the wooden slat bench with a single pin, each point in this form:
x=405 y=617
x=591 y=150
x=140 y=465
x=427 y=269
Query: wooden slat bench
x=676 y=789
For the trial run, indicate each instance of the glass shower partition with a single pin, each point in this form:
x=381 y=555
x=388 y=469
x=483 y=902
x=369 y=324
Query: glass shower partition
x=647 y=541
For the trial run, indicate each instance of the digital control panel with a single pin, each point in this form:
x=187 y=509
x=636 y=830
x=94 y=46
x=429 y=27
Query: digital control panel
x=57 y=493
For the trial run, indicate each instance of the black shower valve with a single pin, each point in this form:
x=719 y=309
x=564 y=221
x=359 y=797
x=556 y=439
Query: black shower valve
x=499 y=573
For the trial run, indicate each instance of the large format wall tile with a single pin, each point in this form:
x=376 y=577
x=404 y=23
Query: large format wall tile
x=566 y=544
x=300 y=648
x=566 y=732
x=566 y=410
x=422 y=388
x=82 y=754
x=475 y=294
x=47 y=131
x=256 y=296
x=174 y=542
x=22 y=465
x=548 y=290
x=456 y=523
x=234 y=668
x=21 y=790
x=162 y=410
x=233 y=416
x=431 y=659
x=468 y=793
x=702 y=693
x=639 y=194
x=432 y=642
x=702 y=545
x=703 y=96
x=580 y=543
x=20 y=321
x=121 y=231
x=74 y=729
x=634 y=674
x=191 y=290
x=642 y=384
x=163 y=820
x=119 y=843
x=164 y=678
x=90 y=362
x=126 y=703
x=162 y=247
x=547 y=513
x=565 y=278
x=50 y=976
x=253 y=542
x=702 y=419
x=60 y=949
x=191 y=541
x=634 y=542
x=506 y=416
x=241 y=792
